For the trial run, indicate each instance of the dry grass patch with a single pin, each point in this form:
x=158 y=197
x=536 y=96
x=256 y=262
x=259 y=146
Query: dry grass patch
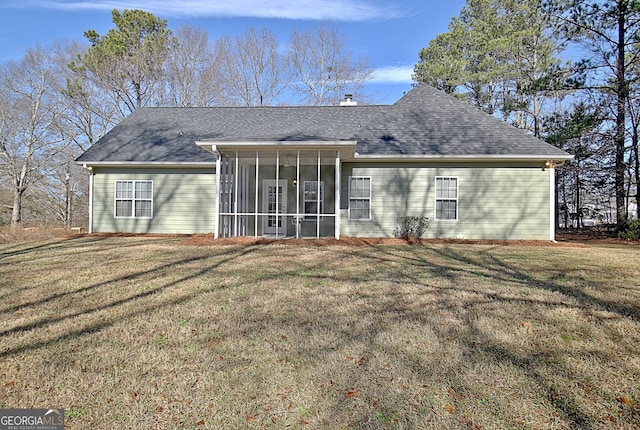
x=146 y=332
x=14 y=234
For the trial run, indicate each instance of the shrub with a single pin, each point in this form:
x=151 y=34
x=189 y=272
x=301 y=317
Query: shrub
x=631 y=231
x=411 y=227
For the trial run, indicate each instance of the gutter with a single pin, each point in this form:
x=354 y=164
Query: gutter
x=549 y=160
x=555 y=160
x=184 y=165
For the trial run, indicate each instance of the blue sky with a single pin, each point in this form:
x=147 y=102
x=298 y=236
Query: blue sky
x=388 y=32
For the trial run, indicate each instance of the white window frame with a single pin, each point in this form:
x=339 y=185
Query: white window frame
x=447 y=199
x=354 y=199
x=312 y=216
x=133 y=199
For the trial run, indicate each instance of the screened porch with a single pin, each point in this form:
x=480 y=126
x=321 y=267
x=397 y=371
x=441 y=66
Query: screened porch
x=280 y=192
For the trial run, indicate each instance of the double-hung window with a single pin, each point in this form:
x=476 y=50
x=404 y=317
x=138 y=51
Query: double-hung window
x=134 y=199
x=313 y=194
x=446 y=199
x=360 y=197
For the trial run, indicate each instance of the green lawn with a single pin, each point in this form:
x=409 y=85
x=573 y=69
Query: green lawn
x=147 y=332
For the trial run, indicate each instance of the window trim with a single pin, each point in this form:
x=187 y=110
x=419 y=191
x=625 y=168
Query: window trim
x=436 y=199
x=312 y=216
x=133 y=199
x=351 y=199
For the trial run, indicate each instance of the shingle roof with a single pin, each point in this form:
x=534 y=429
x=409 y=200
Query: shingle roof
x=427 y=121
x=424 y=122
x=169 y=134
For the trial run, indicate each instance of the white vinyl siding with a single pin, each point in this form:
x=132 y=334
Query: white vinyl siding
x=495 y=200
x=183 y=200
x=446 y=208
x=133 y=199
x=360 y=197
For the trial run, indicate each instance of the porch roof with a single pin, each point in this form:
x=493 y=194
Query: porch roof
x=346 y=147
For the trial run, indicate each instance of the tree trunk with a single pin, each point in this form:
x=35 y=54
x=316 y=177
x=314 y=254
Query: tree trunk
x=622 y=93
x=67 y=201
x=578 y=203
x=536 y=95
x=16 y=213
x=636 y=168
x=565 y=203
x=19 y=188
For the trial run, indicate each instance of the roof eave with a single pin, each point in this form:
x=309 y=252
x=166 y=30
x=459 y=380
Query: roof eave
x=174 y=164
x=557 y=159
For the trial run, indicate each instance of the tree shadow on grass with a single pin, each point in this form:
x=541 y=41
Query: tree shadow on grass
x=509 y=272
x=220 y=259
x=432 y=266
x=384 y=287
x=486 y=264
x=74 y=246
x=58 y=296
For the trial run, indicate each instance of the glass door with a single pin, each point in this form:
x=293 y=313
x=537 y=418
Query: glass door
x=274 y=201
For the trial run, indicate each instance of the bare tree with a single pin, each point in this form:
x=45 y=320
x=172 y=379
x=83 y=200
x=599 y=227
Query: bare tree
x=30 y=109
x=250 y=68
x=89 y=111
x=190 y=70
x=323 y=69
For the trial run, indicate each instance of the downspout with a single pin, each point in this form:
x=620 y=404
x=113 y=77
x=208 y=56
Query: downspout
x=90 y=223
x=90 y=226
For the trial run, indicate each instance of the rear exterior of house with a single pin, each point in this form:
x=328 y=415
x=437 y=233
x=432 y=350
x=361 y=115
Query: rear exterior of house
x=462 y=201
x=310 y=172
x=169 y=200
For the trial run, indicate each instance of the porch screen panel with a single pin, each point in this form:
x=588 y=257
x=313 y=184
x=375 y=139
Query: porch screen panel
x=313 y=199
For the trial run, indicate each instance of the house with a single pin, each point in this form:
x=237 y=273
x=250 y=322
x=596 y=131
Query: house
x=323 y=171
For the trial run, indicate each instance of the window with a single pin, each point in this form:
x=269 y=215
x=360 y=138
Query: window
x=359 y=197
x=446 y=199
x=311 y=199
x=134 y=199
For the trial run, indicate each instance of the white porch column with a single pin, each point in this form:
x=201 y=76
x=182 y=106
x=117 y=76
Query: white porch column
x=216 y=227
x=297 y=189
x=90 y=226
x=236 y=180
x=277 y=193
x=255 y=210
x=337 y=196
x=552 y=202
x=318 y=195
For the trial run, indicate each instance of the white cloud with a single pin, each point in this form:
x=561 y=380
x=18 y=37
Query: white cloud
x=392 y=75
x=334 y=10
